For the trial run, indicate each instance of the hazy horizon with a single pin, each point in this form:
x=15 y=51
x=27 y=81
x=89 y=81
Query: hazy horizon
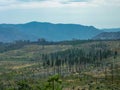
x=64 y=23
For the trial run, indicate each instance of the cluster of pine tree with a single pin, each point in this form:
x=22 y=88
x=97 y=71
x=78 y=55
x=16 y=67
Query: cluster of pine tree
x=74 y=60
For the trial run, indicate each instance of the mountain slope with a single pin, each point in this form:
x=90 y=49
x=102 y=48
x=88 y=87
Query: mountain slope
x=49 y=31
x=111 y=30
x=108 y=35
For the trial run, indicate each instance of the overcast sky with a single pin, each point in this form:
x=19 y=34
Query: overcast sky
x=98 y=13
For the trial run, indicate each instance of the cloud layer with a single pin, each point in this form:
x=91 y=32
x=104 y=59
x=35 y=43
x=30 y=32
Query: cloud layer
x=11 y=4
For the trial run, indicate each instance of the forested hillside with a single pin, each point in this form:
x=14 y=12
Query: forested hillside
x=66 y=65
x=52 y=32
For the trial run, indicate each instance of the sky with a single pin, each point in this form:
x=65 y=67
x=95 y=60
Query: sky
x=98 y=13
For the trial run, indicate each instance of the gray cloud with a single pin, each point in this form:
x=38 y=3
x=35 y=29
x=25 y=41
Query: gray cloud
x=56 y=0
x=72 y=1
x=31 y=0
x=78 y=0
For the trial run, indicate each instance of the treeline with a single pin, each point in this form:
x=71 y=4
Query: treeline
x=21 y=43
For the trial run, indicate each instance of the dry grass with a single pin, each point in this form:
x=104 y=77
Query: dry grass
x=23 y=66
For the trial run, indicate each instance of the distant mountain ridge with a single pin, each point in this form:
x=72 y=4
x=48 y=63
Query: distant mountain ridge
x=107 y=36
x=111 y=30
x=49 y=31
